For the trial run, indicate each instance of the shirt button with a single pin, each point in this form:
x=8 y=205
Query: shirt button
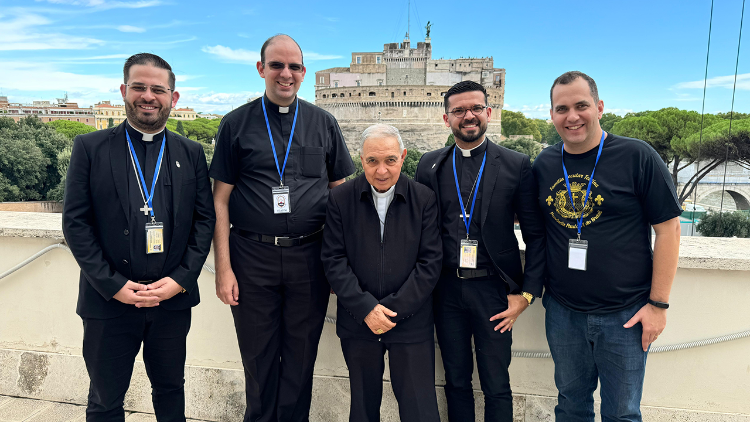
x=126 y=232
x=125 y=261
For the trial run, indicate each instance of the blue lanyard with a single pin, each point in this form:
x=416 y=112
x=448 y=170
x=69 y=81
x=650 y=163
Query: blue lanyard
x=476 y=189
x=149 y=196
x=579 y=220
x=273 y=147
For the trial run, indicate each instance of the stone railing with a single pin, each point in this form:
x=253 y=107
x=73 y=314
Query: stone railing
x=40 y=340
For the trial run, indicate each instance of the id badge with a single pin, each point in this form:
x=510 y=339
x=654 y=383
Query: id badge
x=467 y=253
x=577 y=250
x=280 y=200
x=154 y=238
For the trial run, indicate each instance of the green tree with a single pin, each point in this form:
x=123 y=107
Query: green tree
x=724 y=224
x=22 y=166
x=180 y=128
x=451 y=140
x=645 y=128
x=63 y=162
x=714 y=147
x=411 y=161
x=524 y=146
x=548 y=132
x=71 y=129
x=608 y=120
x=515 y=123
x=734 y=115
x=110 y=123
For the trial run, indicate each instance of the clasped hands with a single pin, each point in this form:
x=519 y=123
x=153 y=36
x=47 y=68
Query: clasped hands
x=379 y=319
x=148 y=295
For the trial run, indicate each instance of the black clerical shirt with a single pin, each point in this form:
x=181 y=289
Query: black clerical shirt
x=244 y=158
x=148 y=266
x=452 y=227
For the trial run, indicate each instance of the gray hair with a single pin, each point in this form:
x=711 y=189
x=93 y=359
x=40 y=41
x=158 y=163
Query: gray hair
x=380 y=130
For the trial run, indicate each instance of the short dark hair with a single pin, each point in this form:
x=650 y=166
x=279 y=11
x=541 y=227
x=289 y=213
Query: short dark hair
x=270 y=40
x=461 y=87
x=144 y=59
x=571 y=76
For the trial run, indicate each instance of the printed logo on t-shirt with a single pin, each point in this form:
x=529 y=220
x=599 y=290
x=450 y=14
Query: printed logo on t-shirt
x=566 y=213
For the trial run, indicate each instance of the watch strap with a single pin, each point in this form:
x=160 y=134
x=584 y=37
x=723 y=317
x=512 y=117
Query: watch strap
x=656 y=303
x=528 y=296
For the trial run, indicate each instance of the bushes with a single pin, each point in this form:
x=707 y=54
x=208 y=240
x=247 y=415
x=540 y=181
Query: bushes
x=727 y=224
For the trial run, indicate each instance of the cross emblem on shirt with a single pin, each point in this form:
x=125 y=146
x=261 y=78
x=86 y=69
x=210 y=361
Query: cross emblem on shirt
x=145 y=209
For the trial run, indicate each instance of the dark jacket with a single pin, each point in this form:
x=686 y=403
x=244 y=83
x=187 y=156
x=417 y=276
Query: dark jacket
x=95 y=219
x=398 y=272
x=508 y=190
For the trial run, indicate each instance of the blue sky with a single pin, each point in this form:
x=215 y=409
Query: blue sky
x=644 y=55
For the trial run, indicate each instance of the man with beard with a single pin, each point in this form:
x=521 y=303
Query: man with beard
x=138 y=217
x=276 y=159
x=482 y=290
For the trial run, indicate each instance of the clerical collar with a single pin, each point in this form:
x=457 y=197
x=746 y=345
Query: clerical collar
x=385 y=194
x=147 y=137
x=473 y=152
x=282 y=110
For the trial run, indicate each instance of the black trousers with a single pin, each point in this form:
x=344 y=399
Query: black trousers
x=109 y=350
x=463 y=309
x=282 y=306
x=412 y=377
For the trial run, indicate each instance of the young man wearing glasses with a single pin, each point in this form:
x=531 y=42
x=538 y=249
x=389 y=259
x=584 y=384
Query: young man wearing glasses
x=276 y=159
x=482 y=290
x=138 y=217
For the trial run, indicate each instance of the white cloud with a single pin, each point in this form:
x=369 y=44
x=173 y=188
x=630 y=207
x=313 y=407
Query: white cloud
x=22 y=33
x=220 y=102
x=311 y=56
x=104 y=4
x=743 y=82
x=539 y=111
x=129 y=28
x=30 y=76
x=618 y=111
x=230 y=55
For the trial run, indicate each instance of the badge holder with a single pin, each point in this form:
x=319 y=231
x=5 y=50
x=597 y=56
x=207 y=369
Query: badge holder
x=154 y=237
x=577 y=254
x=467 y=253
x=281 y=200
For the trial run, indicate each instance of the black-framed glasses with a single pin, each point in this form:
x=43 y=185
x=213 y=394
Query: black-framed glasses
x=293 y=67
x=461 y=112
x=155 y=89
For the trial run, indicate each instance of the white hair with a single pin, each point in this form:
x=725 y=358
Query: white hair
x=380 y=130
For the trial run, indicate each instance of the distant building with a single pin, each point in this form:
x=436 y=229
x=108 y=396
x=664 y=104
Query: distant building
x=47 y=111
x=104 y=111
x=183 y=114
x=404 y=87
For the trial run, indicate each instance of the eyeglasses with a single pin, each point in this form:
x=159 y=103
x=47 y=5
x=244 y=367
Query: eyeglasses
x=155 y=89
x=461 y=112
x=293 y=67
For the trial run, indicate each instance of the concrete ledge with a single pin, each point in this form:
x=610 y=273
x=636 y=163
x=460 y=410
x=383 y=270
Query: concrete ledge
x=708 y=253
x=218 y=394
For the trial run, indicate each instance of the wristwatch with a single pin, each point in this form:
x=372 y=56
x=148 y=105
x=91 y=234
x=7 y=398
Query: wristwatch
x=528 y=296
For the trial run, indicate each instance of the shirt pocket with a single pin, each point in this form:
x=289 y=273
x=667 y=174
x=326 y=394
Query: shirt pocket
x=312 y=162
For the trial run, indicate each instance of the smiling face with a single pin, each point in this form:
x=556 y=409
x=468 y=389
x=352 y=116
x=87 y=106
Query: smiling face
x=576 y=115
x=470 y=128
x=146 y=111
x=282 y=84
x=382 y=159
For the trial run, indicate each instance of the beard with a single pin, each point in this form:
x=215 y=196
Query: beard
x=147 y=123
x=470 y=138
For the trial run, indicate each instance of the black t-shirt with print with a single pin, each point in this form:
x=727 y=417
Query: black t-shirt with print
x=632 y=190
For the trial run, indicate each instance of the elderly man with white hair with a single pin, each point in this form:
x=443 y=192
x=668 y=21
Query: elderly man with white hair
x=382 y=255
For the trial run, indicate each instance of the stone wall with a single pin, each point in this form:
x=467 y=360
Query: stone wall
x=405 y=76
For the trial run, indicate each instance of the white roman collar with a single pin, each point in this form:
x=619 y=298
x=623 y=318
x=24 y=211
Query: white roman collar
x=147 y=137
x=467 y=152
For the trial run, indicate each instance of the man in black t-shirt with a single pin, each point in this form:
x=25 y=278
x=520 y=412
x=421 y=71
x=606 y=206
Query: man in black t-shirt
x=276 y=159
x=607 y=291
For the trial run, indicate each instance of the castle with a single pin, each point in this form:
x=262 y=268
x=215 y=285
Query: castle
x=404 y=87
